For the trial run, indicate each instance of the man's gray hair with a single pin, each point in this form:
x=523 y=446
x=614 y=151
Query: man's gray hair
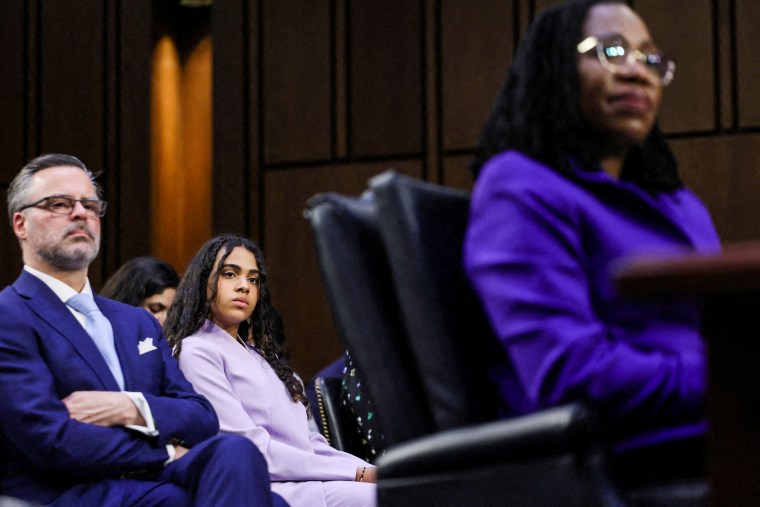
x=19 y=189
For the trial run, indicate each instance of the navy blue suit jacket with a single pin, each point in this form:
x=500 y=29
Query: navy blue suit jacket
x=45 y=355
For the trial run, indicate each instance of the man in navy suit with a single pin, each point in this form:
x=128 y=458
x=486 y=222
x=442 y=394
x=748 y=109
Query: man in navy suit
x=106 y=420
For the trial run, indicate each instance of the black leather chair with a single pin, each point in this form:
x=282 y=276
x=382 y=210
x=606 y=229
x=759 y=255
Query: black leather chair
x=423 y=227
x=334 y=418
x=554 y=457
x=360 y=292
x=490 y=464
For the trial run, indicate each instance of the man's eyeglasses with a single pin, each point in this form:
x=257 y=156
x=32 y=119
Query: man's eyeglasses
x=62 y=205
x=614 y=52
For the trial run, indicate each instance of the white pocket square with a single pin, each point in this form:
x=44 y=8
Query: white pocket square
x=145 y=346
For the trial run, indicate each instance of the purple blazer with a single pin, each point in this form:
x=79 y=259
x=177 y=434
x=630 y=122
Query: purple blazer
x=540 y=251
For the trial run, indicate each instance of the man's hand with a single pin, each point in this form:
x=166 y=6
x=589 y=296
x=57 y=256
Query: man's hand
x=103 y=408
x=179 y=451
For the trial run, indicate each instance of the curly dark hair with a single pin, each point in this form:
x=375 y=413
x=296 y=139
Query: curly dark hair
x=537 y=111
x=192 y=306
x=138 y=279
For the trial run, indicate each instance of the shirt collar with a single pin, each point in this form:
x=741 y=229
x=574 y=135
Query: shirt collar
x=61 y=290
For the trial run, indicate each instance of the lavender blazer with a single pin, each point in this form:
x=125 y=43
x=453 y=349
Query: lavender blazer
x=250 y=400
x=540 y=251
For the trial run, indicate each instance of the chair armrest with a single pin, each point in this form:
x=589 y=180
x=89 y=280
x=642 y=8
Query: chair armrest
x=327 y=397
x=338 y=426
x=735 y=270
x=569 y=428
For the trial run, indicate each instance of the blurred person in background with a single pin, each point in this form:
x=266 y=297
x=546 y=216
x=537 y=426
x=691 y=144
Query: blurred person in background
x=144 y=281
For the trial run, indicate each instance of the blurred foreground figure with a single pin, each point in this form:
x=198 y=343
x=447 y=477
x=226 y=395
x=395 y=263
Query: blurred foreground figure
x=573 y=174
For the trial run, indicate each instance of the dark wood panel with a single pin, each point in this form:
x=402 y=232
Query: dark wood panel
x=385 y=78
x=131 y=141
x=476 y=47
x=455 y=172
x=541 y=5
x=740 y=158
x=235 y=178
x=12 y=89
x=725 y=63
x=433 y=168
x=748 y=61
x=72 y=87
x=72 y=79
x=703 y=164
x=109 y=246
x=725 y=173
x=297 y=81
x=10 y=251
x=340 y=81
x=32 y=77
x=294 y=275
x=685 y=31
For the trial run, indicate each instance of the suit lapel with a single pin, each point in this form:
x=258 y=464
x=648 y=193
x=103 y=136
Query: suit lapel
x=45 y=304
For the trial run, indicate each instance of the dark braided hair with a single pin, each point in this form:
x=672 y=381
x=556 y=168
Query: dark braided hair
x=192 y=306
x=537 y=111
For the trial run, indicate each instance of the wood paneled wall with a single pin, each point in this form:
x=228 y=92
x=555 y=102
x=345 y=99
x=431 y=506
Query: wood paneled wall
x=74 y=77
x=313 y=96
x=336 y=91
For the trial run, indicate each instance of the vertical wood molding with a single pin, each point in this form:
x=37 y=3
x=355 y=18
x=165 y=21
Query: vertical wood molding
x=724 y=67
x=254 y=103
x=431 y=52
x=110 y=244
x=340 y=75
x=747 y=17
x=32 y=78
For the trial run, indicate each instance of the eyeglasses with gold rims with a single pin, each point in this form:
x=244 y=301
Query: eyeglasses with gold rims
x=614 y=52
x=62 y=205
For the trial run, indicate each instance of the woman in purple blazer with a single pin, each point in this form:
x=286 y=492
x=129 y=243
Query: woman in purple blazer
x=224 y=332
x=572 y=175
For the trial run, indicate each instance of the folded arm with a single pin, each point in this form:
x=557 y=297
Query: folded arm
x=37 y=427
x=54 y=422
x=103 y=408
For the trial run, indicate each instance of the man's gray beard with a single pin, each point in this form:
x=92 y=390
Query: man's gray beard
x=74 y=259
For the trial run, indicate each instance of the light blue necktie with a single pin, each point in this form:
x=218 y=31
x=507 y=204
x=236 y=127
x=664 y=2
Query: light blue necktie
x=101 y=332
